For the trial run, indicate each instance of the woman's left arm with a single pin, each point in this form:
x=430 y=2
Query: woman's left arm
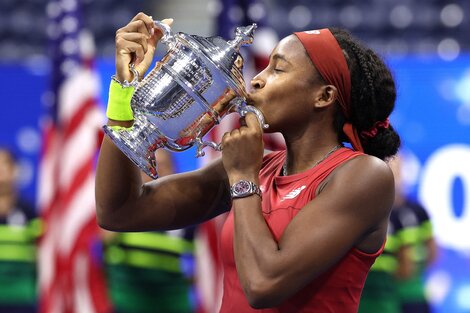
x=352 y=208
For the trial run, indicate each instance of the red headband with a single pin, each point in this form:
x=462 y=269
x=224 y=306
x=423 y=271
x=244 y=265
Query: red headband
x=329 y=60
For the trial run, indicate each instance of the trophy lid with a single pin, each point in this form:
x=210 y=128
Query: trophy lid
x=226 y=54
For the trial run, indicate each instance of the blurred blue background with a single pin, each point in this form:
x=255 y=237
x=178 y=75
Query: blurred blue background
x=425 y=43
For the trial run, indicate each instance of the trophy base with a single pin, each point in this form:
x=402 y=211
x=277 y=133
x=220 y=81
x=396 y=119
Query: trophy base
x=140 y=153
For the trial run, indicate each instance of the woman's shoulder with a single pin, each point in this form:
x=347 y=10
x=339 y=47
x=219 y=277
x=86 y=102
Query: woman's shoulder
x=367 y=190
x=366 y=172
x=368 y=164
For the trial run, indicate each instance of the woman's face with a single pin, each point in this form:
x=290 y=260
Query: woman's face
x=284 y=90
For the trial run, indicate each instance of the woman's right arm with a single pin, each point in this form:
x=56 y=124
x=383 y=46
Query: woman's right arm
x=123 y=203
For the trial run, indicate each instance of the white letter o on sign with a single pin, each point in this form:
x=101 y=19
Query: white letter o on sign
x=435 y=193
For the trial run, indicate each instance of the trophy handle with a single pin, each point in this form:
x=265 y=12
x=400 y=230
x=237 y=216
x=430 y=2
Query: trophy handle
x=167 y=39
x=167 y=34
x=200 y=144
x=241 y=108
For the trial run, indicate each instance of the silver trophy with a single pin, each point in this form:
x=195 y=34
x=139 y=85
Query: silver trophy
x=188 y=92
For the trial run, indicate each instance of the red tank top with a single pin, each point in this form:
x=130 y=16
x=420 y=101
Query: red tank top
x=337 y=290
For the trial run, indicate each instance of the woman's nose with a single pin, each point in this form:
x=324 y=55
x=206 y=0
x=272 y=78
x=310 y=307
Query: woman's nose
x=257 y=83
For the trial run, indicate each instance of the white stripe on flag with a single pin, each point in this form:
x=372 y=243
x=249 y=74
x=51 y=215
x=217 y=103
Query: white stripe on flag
x=78 y=149
x=80 y=210
x=82 y=296
x=83 y=85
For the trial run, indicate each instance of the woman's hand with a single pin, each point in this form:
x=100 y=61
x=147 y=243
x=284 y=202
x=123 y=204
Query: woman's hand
x=136 y=43
x=242 y=150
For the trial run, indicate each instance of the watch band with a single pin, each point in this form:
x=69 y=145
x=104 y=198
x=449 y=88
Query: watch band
x=244 y=188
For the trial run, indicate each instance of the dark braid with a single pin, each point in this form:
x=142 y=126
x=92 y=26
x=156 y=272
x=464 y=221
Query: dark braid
x=373 y=96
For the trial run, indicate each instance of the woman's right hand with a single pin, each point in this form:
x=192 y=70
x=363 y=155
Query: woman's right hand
x=136 y=43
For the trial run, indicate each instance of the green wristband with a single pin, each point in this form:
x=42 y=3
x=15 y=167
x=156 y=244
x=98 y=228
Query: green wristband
x=119 y=102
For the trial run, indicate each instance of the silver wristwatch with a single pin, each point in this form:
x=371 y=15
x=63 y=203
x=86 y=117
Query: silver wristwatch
x=244 y=188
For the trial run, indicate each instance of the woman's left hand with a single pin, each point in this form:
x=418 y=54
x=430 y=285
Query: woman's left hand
x=242 y=150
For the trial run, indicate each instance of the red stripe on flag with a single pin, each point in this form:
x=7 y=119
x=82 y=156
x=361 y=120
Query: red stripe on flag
x=95 y=279
x=79 y=177
x=78 y=117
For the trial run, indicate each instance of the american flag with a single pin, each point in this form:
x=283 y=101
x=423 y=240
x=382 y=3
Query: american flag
x=70 y=279
x=231 y=14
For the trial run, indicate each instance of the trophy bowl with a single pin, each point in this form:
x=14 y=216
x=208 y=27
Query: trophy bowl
x=187 y=93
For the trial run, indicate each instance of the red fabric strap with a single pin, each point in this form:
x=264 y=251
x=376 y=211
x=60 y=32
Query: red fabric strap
x=351 y=132
x=329 y=60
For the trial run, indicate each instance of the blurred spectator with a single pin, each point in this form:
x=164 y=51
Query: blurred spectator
x=19 y=232
x=418 y=233
x=151 y=272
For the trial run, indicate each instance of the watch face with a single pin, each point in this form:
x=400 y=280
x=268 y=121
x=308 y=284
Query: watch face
x=241 y=187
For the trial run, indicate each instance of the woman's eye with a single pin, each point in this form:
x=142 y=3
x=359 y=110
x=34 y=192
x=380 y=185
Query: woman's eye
x=278 y=70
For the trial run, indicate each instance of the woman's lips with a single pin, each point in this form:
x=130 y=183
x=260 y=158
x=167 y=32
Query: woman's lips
x=250 y=100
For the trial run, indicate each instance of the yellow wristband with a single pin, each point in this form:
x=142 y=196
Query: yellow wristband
x=118 y=128
x=119 y=102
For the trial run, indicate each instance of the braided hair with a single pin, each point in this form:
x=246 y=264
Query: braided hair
x=373 y=95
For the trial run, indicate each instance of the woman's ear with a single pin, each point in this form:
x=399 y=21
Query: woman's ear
x=325 y=96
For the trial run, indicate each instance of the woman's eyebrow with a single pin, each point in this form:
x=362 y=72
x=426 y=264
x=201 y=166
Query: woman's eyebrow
x=278 y=56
